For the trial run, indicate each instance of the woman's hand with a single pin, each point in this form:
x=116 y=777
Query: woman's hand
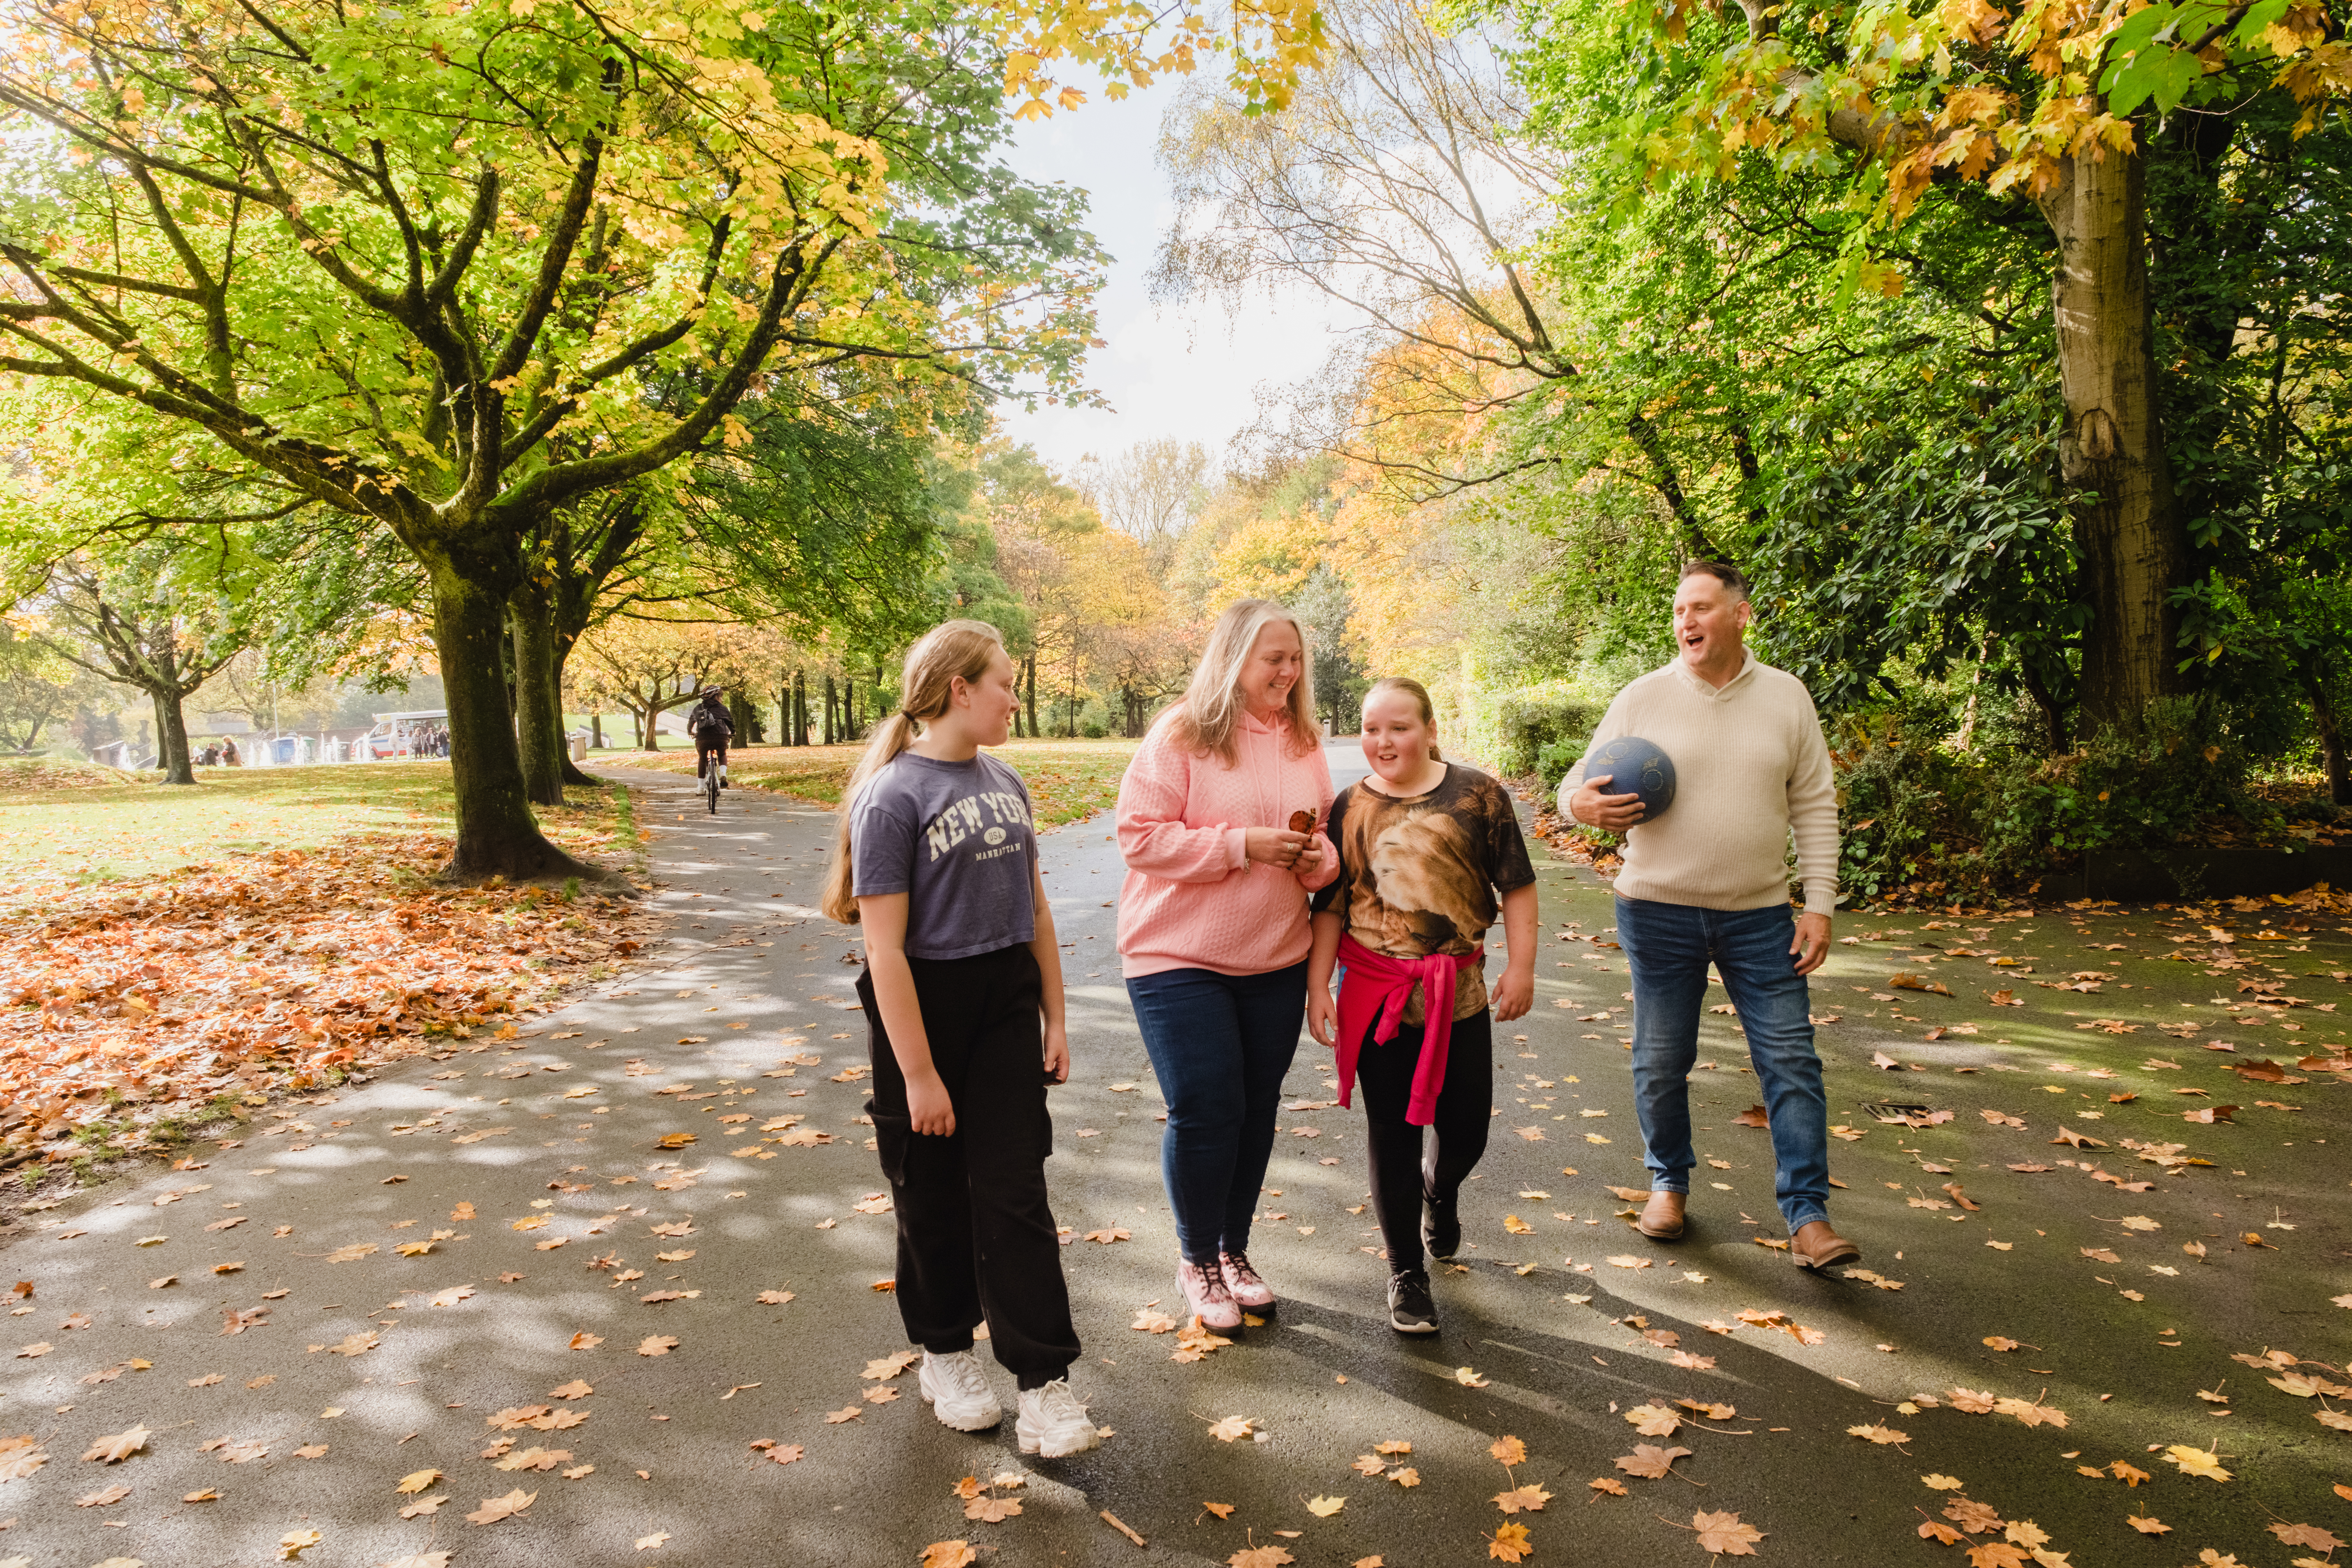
x=928 y=1108
x=1274 y=846
x=1515 y=993
x=1057 y=1051
x=1322 y=1016
x=1311 y=857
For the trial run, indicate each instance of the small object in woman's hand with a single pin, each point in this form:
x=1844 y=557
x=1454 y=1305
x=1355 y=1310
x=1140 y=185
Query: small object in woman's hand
x=1302 y=822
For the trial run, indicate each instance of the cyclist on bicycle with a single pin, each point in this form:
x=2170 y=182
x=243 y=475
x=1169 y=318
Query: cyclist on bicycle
x=711 y=728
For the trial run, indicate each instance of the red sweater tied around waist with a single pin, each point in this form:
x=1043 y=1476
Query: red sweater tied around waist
x=1375 y=984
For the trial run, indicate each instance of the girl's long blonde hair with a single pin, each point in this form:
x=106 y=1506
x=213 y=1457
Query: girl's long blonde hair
x=926 y=686
x=1212 y=708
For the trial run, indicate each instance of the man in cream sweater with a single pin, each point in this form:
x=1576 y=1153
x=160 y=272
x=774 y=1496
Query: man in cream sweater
x=1705 y=883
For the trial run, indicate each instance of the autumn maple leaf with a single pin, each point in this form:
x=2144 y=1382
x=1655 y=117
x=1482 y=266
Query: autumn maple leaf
x=1511 y=1543
x=1724 y=1533
x=495 y=1509
x=2309 y=1535
x=1651 y=1421
x=1510 y=1451
x=1649 y=1461
x=1530 y=1497
x=1259 y=1557
x=949 y=1555
x=1998 y=1554
x=119 y=1447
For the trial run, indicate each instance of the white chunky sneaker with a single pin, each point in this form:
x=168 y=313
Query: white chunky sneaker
x=958 y=1391
x=1054 y=1424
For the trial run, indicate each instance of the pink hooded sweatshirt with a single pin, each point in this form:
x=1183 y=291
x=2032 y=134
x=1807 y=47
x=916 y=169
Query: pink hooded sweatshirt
x=1192 y=900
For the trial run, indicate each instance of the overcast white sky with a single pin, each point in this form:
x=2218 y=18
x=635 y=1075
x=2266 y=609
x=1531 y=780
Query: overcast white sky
x=1187 y=369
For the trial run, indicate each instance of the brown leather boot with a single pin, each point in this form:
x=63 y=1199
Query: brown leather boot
x=1816 y=1246
x=1661 y=1218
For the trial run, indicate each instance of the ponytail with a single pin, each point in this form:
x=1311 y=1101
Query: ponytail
x=950 y=651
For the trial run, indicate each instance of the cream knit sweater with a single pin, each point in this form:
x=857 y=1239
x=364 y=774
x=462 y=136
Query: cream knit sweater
x=1751 y=768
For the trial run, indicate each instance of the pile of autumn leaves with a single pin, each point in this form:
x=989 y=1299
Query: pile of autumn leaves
x=153 y=998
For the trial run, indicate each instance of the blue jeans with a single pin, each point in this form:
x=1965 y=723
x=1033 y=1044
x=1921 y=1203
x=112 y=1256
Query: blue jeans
x=1220 y=1045
x=1668 y=948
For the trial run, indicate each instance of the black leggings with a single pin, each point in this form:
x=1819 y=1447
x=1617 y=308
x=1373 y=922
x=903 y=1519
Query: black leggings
x=976 y=1237
x=704 y=752
x=1457 y=1135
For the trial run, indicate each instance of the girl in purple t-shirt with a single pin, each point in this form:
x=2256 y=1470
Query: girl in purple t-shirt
x=937 y=860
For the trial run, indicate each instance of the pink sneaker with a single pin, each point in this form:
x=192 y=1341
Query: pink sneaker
x=1250 y=1291
x=1206 y=1298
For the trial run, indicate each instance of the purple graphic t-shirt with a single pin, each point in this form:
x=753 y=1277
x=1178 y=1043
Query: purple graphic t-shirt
x=957 y=838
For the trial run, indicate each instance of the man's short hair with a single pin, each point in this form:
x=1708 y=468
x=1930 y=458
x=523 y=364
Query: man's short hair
x=1733 y=580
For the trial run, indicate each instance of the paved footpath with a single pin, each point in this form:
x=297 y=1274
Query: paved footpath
x=489 y=1275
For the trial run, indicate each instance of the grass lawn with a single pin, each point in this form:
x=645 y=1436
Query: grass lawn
x=175 y=949
x=106 y=826
x=1067 y=780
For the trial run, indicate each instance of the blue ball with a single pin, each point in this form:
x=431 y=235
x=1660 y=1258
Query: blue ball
x=1634 y=766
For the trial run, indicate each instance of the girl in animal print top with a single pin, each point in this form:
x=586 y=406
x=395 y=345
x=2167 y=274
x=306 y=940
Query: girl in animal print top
x=1429 y=851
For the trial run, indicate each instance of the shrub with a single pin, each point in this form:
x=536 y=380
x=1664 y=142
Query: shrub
x=1513 y=729
x=1919 y=817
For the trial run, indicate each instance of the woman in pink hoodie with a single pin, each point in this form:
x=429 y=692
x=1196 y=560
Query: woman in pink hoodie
x=1218 y=822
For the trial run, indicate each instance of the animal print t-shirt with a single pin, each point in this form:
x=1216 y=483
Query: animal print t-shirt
x=1421 y=875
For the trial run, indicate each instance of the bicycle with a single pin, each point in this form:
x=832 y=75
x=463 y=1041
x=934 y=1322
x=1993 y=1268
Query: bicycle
x=710 y=783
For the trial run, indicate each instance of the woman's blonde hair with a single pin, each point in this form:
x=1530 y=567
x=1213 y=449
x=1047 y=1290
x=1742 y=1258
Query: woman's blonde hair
x=1205 y=719
x=1419 y=693
x=926 y=686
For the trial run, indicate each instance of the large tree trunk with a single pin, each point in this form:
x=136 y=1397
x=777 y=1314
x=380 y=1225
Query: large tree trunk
x=571 y=774
x=2330 y=725
x=2128 y=534
x=171 y=726
x=538 y=701
x=497 y=835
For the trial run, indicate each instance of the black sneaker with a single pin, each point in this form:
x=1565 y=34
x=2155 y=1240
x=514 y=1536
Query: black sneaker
x=1411 y=1311
x=1440 y=1228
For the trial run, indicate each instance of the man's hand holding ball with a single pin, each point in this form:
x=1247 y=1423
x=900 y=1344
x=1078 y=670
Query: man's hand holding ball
x=1616 y=813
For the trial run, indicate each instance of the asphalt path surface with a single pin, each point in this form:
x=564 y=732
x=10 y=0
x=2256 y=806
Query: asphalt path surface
x=298 y=1365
